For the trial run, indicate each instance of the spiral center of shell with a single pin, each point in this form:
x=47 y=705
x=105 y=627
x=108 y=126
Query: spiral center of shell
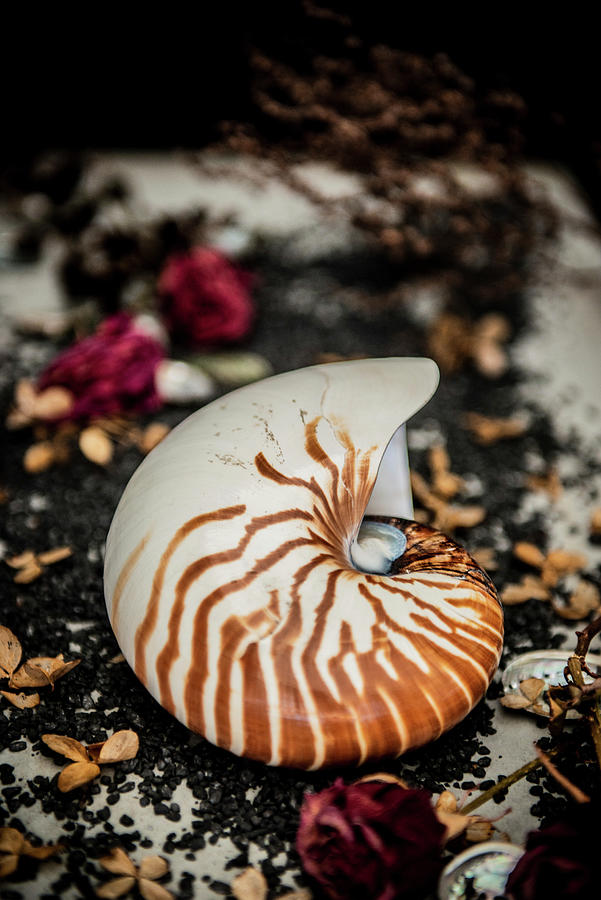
x=376 y=547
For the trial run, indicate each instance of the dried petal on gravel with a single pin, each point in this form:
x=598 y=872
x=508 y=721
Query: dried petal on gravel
x=96 y=445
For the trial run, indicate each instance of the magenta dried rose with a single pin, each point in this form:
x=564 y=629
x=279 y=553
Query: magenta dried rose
x=205 y=298
x=562 y=860
x=110 y=372
x=371 y=839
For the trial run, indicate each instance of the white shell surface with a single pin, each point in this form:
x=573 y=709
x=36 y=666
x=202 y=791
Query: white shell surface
x=228 y=581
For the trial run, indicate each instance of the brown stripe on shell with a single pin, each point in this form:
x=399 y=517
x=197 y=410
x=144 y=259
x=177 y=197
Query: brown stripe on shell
x=124 y=578
x=148 y=624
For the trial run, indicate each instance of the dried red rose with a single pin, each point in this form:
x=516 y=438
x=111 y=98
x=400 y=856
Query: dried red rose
x=371 y=839
x=205 y=299
x=110 y=372
x=560 y=861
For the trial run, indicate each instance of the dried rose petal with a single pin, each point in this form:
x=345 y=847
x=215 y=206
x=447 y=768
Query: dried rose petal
x=150 y=890
x=28 y=573
x=96 y=445
x=38 y=457
x=249 y=885
x=53 y=556
x=116 y=888
x=371 y=839
x=77 y=774
x=120 y=746
x=10 y=652
x=153 y=867
x=66 y=746
x=530 y=554
x=118 y=862
x=110 y=372
x=21 y=701
x=152 y=435
x=40 y=671
x=205 y=299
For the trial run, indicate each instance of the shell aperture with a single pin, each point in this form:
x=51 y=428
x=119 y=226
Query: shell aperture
x=230 y=586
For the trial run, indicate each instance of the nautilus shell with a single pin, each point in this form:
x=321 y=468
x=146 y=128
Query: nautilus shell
x=241 y=598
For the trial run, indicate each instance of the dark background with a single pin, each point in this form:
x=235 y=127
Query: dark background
x=165 y=77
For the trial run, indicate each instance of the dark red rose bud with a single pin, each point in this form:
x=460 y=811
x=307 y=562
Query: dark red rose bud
x=562 y=860
x=109 y=373
x=371 y=839
x=205 y=299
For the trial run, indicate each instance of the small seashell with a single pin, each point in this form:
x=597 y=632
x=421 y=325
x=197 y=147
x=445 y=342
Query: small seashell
x=249 y=600
x=544 y=666
x=480 y=871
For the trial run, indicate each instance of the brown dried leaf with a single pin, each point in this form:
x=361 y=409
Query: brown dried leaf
x=447 y=802
x=449 y=518
x=28 y=573
x=120 y=746
x=449 y=341
x=249 y=885
x=584 y=600
x=40 y=852
x=529 y=588
x=8 y=864
x=566 y=562
x=21 y=560
x=153 y=867
x=455 y=823
x=21 y=701
x=529 y=554
x=490 y=358
x=152 y=435
x=118 y=862
x=119 y=658
x=487 y=431
x=532 y=688
x=96 y=445
x=40 y=671
x=66 y=746
x=53 y=403
x=77 y=774
x=150 y=890
x=117 y=887
x=485 y=557
x=302 y=894
x=515 y=701
x=10 y=652
x=549 y=483
x=38 y=457
x=25 y=396
x=11 y=840
x=481 y=830
x=53 y=556
x=423 y=493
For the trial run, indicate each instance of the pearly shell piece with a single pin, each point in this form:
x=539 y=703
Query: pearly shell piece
x=480 y=871
x=549 y=667
x=230 y=587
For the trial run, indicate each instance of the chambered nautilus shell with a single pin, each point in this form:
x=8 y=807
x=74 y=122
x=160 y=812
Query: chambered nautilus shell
x=244 y=599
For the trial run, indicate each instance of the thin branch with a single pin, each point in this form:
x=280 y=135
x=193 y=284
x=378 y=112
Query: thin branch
x=578 y=795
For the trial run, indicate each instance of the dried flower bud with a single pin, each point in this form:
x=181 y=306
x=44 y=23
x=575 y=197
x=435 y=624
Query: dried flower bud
x=560 y=861
x=371 y=839
x=205 y=299
x=110 y=372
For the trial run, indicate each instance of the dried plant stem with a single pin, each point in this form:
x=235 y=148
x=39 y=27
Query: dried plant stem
x=575 y=664
x=505 y=783
x=575 y=792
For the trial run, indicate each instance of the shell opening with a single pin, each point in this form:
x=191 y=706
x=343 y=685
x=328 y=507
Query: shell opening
x=376 y=547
